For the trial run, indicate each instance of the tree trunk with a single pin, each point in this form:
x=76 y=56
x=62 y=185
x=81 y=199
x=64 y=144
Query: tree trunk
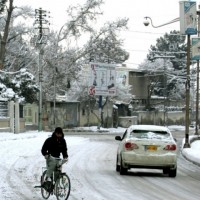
x=4 y=38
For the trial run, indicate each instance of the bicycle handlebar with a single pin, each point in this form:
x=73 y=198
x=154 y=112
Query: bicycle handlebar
x=63 y=161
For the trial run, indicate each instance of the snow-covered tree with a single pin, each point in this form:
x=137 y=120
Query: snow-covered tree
x=16 y=54
x=65 y=56
x=19 y=85
x=62 y=55
x=77 y=42
x=171 y=81
x=12 y=33
x=105 y=46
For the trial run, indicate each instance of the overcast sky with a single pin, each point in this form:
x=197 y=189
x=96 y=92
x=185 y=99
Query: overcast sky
x=139 y=38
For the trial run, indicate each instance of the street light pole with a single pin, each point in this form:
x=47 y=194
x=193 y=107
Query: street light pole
x=187 y=84
x=197 y=101
x=187 y=98
x=146 y=22
x=197 y=92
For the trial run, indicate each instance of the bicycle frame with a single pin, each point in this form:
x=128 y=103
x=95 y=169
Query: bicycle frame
x=56 y=178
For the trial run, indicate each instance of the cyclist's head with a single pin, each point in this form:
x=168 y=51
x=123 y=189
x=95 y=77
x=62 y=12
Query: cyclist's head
x=58 y=132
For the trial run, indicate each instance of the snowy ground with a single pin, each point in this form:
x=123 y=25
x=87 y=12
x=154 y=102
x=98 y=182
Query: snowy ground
x=19 y=150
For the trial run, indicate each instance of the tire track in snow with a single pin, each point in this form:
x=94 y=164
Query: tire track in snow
x=20 y=186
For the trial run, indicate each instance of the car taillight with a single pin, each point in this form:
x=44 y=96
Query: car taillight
x=130 y=146
x=170 y=147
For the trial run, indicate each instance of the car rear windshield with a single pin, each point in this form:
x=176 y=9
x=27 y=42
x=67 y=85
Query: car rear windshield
x=149 y=134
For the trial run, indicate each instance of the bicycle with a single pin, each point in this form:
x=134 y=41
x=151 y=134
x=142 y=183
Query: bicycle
x=60 y=182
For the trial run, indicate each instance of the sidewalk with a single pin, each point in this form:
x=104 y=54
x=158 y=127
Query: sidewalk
x=192 y=154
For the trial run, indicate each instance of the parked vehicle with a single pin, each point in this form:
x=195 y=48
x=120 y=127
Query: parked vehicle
x=147 y=146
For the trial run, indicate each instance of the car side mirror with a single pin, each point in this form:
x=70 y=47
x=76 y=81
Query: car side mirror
x=118 y=138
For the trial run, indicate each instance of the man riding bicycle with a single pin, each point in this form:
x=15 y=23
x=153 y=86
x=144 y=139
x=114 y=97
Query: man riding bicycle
x=51 y=150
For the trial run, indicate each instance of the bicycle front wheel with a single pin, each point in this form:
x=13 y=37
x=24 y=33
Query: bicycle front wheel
x=62 y=187
x=45 y=194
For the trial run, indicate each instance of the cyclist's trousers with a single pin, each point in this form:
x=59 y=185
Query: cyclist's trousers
x=51 y=166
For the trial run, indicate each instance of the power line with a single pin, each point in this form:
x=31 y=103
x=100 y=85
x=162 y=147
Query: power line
x=144 y=32
x=153 y=33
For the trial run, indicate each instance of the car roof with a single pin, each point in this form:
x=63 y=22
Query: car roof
x=149 y=127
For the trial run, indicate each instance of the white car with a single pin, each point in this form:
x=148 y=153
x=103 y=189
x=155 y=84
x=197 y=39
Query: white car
x=147 y=146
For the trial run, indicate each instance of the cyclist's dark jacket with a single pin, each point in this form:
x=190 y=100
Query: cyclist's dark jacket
x=53 y=146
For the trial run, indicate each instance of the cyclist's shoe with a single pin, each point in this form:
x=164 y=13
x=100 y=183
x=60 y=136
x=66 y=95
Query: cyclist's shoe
x=47 y=186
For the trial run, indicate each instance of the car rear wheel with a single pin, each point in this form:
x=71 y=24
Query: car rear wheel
x=123 y=170
x=117 y=166
x=166 y=171
x=172 y=172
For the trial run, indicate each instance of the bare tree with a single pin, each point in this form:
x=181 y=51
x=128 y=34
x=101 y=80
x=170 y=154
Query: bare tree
x=11 y=36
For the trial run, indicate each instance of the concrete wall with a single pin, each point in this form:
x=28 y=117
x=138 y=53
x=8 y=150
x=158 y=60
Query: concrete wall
x=75 y=114
x=5 y=124
x=90 y=116
x=127 y=121
x=157 y=117
x=22 y=126
x=66 y=115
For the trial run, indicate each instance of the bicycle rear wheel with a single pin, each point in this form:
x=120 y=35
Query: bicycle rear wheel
x=45 y=194
x=62 y=187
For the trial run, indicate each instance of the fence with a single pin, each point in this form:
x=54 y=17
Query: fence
x=9 y=117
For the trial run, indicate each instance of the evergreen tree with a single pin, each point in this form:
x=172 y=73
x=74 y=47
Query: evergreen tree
x=20 y=85
x=171 y=70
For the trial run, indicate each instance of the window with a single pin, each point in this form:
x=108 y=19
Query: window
x=148 y=134
x=83 y=111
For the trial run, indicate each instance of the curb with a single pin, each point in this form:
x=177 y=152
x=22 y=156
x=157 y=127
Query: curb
x=84 y=131
x=89 y=132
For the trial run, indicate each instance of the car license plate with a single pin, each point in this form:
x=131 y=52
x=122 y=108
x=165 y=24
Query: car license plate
x=151 y=148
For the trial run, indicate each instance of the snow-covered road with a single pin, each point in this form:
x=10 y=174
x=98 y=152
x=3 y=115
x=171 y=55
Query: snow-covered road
x=91 y=168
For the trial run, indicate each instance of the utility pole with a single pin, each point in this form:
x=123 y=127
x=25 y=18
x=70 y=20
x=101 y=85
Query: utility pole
x=41 y=21
x=197 y=92
x=165 y=93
